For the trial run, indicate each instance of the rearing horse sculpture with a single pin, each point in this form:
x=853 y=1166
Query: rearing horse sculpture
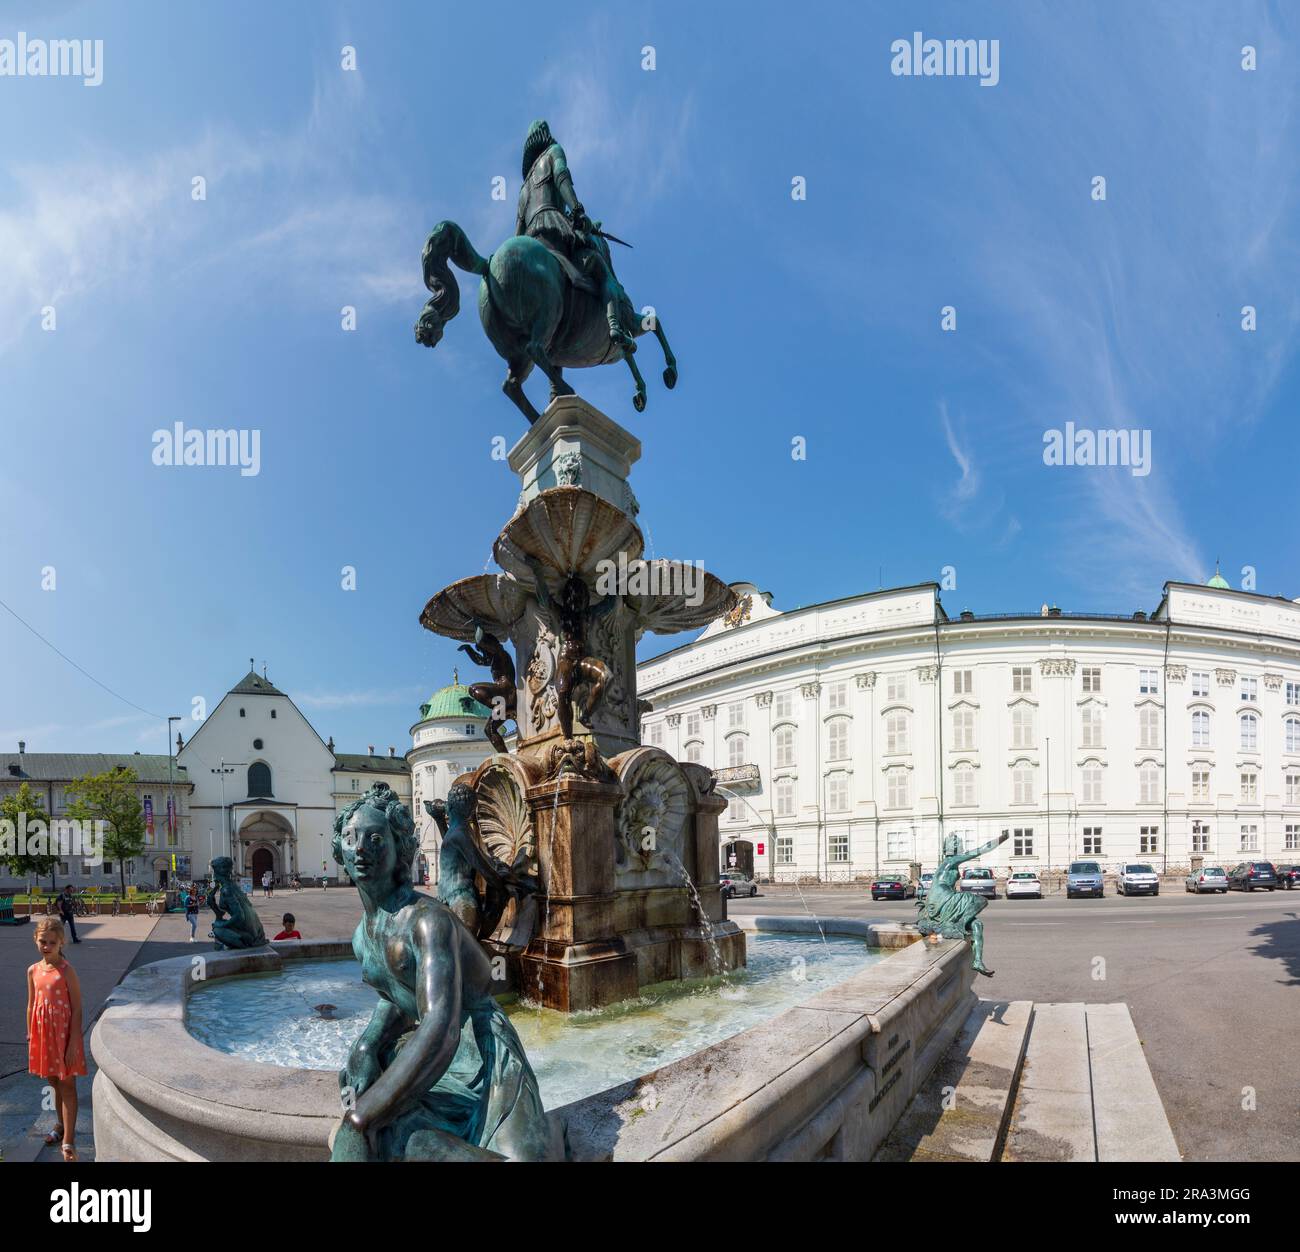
x=533 y=313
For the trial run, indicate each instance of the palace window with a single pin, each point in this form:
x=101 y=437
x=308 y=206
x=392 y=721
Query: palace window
x=737 y=747
x=695 y=751
x=1149 y=682
x=963 y=785
x=1200 y=728
x=1200 y=837
x=1293 y=788
x=736 y=715
x=961 y=682
x=1022 y=841
x=1201 y=786
x=837 y=696
x=1201 y=684
x=1092 y=841
x=1092 y=679
x=837 y=739
x=1022 y=783
x=1092 y=787
x=1249 y=786
x=899 y=789
x=1249 y=732
x=896 y=687
x=837 y=792
x=1022 y=678
x=1293 y=734
x=1022 y=726
x=785 y=849
x=1250 y=689
x=1148 y=840
x=655 y=735
x=898 y=845
x=837 y=847
x=1148 y=784
x=1293 y=693
x=1249 y=838
x=783 y=704
x=783 y=745
x=896 y=736
x=963 y=729
x=1090 y=727
x=1148 y=727
x=1292 y=838
x=692 y=725
x=736 y=810
x=785 y=797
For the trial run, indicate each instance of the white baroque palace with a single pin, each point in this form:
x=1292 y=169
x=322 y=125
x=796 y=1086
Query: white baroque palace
x=851 y=736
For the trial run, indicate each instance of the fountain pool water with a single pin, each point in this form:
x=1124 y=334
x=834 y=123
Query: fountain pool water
x=277 y=1018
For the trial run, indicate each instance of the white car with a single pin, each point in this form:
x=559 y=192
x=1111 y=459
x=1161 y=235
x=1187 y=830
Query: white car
x=1023 y=883
x=1138 y=880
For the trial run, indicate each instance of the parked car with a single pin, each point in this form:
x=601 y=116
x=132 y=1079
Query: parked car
x=892 y=889
x=1288 y=876
x=734 y=883
x=1250 y=875
x=1023 y=883
x=1084 y=879
x=923 y=887
x=1136 y=879
x=1210 y=878
x=980 y=880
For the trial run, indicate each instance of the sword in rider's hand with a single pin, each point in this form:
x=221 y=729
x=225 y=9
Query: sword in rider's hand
x=593 y=228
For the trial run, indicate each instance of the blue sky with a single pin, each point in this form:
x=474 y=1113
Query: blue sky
x=817 y=318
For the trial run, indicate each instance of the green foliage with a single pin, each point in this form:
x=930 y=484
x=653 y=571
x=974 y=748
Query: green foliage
x=111 y=797
x=13 y=807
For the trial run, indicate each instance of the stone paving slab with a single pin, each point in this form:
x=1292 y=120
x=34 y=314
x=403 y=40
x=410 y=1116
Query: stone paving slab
x=1130 y=1120
x=1052 y=1117
x=978 y=1077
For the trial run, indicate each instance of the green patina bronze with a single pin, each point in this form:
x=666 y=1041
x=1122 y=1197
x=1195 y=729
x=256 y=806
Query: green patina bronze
x=549 y=296
x=955 y=914
x=235 y=924
x=438 y=1073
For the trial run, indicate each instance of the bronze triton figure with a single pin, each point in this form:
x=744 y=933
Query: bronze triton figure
x=499 y=695
x=548 y=297
x=235 y=924
x=955 y=914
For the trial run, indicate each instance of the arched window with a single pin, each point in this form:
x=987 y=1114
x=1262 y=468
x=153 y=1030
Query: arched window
x=896 y=733
x=783 y=745
x=1293 y=734
x=694 y=751
x=837 y=739
x=1092 y=776
x=1249 y=732
x=1022 y=783
x=259 y=779
x=963 y=785
x=736 y=748
x=1148 y=783
x=1200 y=728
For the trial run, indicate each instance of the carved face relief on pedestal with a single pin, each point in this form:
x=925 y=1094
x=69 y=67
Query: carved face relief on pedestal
x=651 y=816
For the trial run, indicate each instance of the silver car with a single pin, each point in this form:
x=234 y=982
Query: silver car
x=1138 y=879
x=979 y=880
x=1210 y=878
x=1084 y=879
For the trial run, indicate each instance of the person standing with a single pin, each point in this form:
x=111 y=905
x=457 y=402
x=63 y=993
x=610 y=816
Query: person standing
x=266 y=883
x=67 y=910
x=191 y=898
x=54 y=1047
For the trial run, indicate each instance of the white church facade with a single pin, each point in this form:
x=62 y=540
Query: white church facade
x=850 y=736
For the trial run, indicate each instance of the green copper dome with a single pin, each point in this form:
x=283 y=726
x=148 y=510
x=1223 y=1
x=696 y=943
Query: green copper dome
x=1218 y=581
x=453 y=700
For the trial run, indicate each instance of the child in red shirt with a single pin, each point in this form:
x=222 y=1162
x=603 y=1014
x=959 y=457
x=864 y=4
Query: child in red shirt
x=288 y=932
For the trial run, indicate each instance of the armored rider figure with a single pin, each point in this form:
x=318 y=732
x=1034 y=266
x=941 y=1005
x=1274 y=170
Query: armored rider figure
x=550 y=211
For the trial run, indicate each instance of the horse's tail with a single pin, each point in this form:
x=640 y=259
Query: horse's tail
x=447 y=242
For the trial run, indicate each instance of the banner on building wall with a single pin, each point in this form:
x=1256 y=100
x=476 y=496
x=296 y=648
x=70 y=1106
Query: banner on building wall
x=148 y=815
x=171 y=816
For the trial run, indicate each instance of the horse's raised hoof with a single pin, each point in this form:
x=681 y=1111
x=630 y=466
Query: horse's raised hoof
x=670 y=377
x=638 y=402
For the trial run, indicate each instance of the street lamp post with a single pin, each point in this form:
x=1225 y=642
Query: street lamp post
x=173 y=822
x=227 y=767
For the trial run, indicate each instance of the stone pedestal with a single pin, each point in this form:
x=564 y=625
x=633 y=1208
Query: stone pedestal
x=575 y=445
x=577 y=961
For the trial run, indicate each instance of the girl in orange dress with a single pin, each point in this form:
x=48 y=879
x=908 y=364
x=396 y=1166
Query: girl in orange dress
x=54 y=1050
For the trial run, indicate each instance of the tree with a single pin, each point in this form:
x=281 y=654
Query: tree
x=111 y=798
x=23 y=808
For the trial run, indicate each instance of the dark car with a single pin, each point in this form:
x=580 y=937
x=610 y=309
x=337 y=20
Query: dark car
x=892 y=889
x=734 y=883
x=1288 y=876
x=1250 y=875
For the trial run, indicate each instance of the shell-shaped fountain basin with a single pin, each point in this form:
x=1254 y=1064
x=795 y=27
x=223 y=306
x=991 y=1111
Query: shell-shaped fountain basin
x=494 y=601
x=569 y=531
x=683 y=597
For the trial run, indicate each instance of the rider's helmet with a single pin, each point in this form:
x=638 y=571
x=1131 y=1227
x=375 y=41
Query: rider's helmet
x=538 y=140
